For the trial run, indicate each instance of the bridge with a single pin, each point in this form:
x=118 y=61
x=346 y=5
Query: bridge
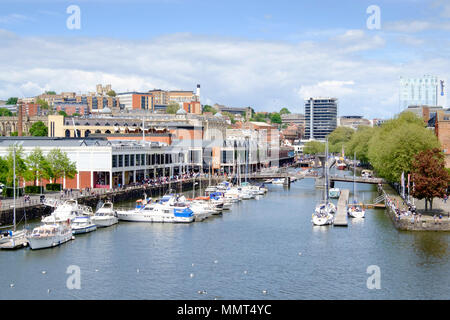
x=334 y=178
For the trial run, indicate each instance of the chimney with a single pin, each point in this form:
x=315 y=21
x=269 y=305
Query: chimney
x=198 y=92
x=19 y=119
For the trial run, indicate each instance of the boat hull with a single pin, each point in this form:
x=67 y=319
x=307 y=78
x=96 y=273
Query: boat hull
x=48 y=242
x=104 y=221
x=86 y=229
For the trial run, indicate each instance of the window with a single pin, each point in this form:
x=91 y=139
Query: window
x=143 y=159
x=120 y=160
x=114 y=161
x=127 y=160
x=132 y=160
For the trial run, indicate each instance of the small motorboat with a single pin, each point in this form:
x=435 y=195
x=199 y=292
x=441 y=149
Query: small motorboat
x=83 y=225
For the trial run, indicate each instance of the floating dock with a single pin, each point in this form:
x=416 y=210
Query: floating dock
x=340 y=218
x=14 y=244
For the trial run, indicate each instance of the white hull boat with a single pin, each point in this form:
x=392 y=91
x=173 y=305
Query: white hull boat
x=50 y=235
x=158 y=213
x=105 y=216
x=82 y=225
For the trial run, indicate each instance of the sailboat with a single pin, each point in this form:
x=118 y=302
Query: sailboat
x=355 y=210
x=13 y=239
x=323 y=214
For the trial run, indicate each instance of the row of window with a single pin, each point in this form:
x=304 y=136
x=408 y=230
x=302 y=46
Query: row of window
x=131 y=160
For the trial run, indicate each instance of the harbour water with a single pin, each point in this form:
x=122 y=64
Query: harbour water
x=260 y=245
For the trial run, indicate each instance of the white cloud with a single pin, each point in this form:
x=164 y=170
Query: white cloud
x=416 y=26
x=267 y=75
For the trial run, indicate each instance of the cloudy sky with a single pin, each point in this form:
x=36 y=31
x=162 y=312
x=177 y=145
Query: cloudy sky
x=265 y=54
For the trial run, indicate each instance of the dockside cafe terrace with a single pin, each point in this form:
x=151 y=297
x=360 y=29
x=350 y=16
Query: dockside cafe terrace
x=105 y=164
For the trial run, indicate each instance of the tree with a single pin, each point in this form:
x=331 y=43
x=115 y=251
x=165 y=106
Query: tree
x=5 y=112
x=429 y=176
x=393 y=146
x=59 y=165
x=284 y=111
x=76 y=114
x=259 y=117
x=21 y=166
x=63 y=113
x=172 y=108
x=39 y=129
x=52 y=93
x=275 y=118
x=37 y=166
x=208 y=108
x=359 y=143
x=314 y=147
x=339 y=137
x=111 y=93
x=229 y=115
x=12 y=100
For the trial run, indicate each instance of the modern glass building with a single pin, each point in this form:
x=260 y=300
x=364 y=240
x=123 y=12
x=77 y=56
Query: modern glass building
x=427 y=90
x=320 y=117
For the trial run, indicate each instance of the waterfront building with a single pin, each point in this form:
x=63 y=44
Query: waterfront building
x=320 y=117
x=105 y=164
x=427 y=90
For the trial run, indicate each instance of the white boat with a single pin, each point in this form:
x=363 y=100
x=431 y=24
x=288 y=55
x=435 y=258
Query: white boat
x=268 y=181
x=10 y=235
x=202 y=210
x=278 y=181
x=158 y=212
x=50 y=235
x=105 y=216
x=68 y=210
x=82 y=225
x=334 y=193
x=356 y=211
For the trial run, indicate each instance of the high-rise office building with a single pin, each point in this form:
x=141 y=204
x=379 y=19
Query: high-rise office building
x=427 y=90
x=320 y=117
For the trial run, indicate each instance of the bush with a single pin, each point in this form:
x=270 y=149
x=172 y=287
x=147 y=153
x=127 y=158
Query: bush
x=33 y=189
x=53 y=186
x=8 y=192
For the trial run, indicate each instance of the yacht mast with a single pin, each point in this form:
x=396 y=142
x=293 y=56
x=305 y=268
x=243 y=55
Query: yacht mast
x=14 y=184
x=354 y=177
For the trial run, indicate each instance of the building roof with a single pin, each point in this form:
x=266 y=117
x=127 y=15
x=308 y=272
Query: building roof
x=52 y=142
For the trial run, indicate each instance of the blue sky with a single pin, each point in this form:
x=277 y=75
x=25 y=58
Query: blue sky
x=267 y=54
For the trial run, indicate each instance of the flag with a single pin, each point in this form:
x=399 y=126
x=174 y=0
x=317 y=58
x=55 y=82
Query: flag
x=403 y=184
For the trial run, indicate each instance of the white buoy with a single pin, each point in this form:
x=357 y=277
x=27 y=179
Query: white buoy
x=192 y=264
x=215 y=261
x=44 y=272
x=96 y=270
x=191 y=275
x=137 y=270
x=11 y=285
x=299 y=253
x=48 y=290
x=245 y=271
x=264 y=291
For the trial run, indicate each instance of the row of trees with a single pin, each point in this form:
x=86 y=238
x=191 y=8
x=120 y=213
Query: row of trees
x=36 y=166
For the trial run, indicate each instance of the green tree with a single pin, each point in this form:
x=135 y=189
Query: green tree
x=52 y=93
x=314 y=147
x=208 y=108
x=12 y=100
x=429 y=176
x=5 y=112
x=172 y=108
x=111 y=93
x=76 y=114
x=338 y=138
x=284 y=111
x=59 y=165
x=43 y=104
x=37 y=166
x=39 y=129
x=63 y=113
x=275 y=118
x=229 y=115
x=359 y=143
x=393 y=146
x=21 y=166
x=14 y=134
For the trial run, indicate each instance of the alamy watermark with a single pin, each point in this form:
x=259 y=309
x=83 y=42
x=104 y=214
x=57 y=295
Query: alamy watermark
x=374 y=280
x=74 y=280
x=374 y=20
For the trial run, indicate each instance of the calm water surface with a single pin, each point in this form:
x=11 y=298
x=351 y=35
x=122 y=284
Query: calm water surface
x=266 y=244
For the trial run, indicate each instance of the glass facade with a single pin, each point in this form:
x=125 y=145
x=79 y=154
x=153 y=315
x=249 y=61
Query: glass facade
x=427 y=90
x=320 y=117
